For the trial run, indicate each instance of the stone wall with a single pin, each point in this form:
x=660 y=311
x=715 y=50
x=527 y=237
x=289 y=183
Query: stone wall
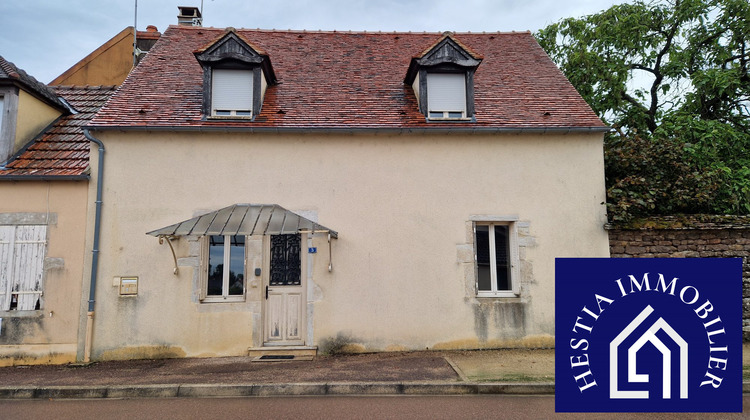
x=688 y=237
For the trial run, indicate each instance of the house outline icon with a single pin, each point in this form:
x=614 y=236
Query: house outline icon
x=648 y=337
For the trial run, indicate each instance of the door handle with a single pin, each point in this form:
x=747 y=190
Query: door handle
x=266 y=292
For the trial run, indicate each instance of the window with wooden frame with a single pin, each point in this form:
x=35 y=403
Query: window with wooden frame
x=223 y=268
x=22 y=252
x=496 y=259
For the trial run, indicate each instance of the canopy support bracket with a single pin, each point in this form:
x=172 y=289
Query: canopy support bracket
x=330 y=256
x=174 y=256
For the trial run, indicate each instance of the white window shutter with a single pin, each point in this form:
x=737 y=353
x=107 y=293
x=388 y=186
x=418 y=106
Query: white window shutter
x=22 y=251
x=29 y=256
x=7 y=235
x=232 y=90
x=446 y=92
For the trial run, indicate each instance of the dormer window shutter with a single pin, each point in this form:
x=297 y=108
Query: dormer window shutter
x=232 y=92
x=446 y=93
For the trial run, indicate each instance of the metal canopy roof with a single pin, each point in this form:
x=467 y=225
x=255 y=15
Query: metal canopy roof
x=245 y=219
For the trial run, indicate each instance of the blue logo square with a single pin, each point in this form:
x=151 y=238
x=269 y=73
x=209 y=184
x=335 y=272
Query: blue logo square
x=648 y=335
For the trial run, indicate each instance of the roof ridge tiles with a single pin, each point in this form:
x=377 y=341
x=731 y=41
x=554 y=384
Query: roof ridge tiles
x=340 y=31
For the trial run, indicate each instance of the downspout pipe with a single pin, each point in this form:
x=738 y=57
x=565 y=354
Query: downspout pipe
x=95 y=251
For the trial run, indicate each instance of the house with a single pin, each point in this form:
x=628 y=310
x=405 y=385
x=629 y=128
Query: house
x=111 y=63
x=43 y=213
x=291 y=191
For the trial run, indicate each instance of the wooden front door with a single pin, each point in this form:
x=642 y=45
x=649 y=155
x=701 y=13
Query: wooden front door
x=285 y=292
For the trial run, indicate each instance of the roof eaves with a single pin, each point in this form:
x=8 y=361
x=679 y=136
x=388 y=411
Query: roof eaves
x=357 y=130
x=43 y=177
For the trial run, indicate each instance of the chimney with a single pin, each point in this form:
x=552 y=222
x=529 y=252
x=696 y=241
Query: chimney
x=189 y=16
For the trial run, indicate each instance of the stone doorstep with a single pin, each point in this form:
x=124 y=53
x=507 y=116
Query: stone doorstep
x=299 y=353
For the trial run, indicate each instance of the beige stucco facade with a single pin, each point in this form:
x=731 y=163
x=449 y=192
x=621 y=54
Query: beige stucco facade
x=404 y=205
x=33 y=117
x=49 y=334
x=108 y=65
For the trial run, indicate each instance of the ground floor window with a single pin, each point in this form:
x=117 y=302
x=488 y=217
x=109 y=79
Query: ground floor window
x=22 y=252
x=225 y=272
x=495 y=258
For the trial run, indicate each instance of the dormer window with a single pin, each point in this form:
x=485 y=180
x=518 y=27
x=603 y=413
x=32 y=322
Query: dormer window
x=443 y=80
x=235 y=77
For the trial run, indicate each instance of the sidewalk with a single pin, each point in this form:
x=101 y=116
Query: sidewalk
x=428 y=372
x=509 y=371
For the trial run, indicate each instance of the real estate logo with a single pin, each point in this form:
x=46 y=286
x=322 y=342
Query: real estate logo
x=648 y=335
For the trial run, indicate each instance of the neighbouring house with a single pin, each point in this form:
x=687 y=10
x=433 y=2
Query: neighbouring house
x=291 y=191
x=43 y=213
x=111 y=63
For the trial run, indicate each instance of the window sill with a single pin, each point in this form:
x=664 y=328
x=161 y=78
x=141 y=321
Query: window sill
x=229 y=117
x=218 y=299
x=22 y=314
x=501 y=295
x=462 y=120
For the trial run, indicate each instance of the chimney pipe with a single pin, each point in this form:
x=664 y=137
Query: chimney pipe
x=189 y=16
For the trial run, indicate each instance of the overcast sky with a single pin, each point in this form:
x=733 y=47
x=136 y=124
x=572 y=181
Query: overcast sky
x=46 y=37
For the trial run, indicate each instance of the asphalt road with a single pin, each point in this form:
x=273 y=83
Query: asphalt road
x=348 y=407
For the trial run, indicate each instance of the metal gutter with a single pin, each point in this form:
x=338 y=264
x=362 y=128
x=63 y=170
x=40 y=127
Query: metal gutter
x=43 y=177
x=358 y=130
x=95 y=250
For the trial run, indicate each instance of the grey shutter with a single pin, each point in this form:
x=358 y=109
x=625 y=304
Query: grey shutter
x=232 y=90
x=446 y=92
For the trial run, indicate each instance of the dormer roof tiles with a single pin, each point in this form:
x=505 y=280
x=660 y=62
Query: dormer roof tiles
x=348 y=80
x=9 y=73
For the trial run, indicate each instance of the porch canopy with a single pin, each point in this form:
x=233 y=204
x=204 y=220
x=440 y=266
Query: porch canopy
x=245 y=219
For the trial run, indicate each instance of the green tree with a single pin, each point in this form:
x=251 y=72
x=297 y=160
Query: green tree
x=673 y=78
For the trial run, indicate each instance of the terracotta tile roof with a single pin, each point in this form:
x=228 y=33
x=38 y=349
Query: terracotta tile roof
x=62 y=150
x=9 y=73
x=249 y=43
x=347 y=80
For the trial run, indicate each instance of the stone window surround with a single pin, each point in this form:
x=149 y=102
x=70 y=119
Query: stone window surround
x=466 y=258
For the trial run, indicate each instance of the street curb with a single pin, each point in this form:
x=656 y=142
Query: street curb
x=287 y=389
x=265 y=390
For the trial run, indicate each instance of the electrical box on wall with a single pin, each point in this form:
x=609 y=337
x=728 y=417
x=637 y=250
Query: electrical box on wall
x=128 y=285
